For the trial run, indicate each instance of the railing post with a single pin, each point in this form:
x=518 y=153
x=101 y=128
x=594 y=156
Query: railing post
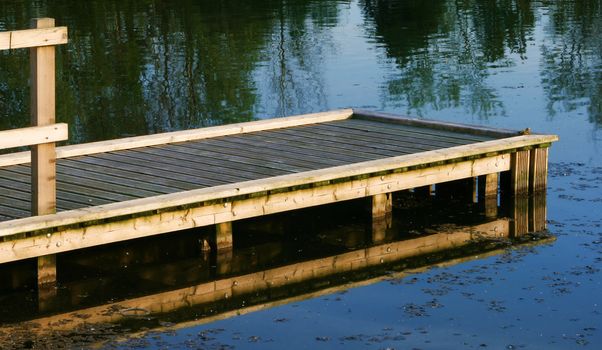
x=43 y=157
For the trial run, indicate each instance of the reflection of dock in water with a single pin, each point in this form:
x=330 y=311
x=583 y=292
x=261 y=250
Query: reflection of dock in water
x=218 y=285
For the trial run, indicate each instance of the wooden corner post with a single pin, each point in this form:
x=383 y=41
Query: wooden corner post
x=43 y=156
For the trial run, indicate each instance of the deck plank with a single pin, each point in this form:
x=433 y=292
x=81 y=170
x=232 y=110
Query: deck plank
x=402 y=139
x=63 y=178
x=209 y=159
x=148 y=168
x=299 y=148
x=370 y=139
x=254 y=148
x=68 y=187
x=341 y=147
x=342 y=150
x=399 y=129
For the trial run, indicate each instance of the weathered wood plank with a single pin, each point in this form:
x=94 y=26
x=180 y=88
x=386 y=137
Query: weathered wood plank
x=90 y=184
x=65 y=199
x=169 y=221
x=402 y=132
x=14 y=203
x=254 y=150
x=395 y=129
x=434 y=124
x=311 y=144
x=76 y=188
x=299 y=148
x=103 y=177
x=182 y=136
x=404 y=142
x=21 y=39
x=118 y=174
x=177 y=166
x=367 y=140
x=167 y=201
x=340 y=147
x=383 y=149
x=198 y=157
x=14 y=213
x=33 y=135
x=118 y=162
x=266 y=162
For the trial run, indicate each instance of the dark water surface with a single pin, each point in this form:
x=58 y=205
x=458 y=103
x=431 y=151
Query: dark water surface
x=140 y=67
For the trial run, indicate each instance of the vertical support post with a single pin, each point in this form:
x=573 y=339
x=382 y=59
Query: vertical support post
x=382 y=208
x=488 y=193
x=382 y=204
x=519 y=172
x=43 y=157
x=538 y=170
x=223 y=235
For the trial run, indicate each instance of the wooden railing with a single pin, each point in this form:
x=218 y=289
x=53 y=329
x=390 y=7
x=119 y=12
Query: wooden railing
x=44 y=132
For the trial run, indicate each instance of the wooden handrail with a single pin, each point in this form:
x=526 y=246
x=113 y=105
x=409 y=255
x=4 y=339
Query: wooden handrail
x=21 y=39
x=43 y=134
x=35 y=135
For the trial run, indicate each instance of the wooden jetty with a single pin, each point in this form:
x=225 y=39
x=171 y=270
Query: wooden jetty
x=54 y=200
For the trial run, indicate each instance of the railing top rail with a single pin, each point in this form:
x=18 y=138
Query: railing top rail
x=21 y=39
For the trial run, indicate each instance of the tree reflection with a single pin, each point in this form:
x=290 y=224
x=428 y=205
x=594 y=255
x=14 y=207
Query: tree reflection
x=444 y=50
x=572 y=65
x=139 y=67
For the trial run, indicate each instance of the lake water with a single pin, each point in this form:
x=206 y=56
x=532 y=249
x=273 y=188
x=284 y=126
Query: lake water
x=140 y=67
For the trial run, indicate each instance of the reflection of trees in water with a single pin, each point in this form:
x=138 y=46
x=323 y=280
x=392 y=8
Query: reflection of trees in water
x=444 y=49
x=572 y=57
x=134 y=67
x=292 y=61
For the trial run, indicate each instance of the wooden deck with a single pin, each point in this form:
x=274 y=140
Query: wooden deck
x=123 y=189
x=119 y=176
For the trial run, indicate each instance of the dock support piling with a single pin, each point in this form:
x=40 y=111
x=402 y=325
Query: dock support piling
x=538 y=169
x=382 y=204
x=519 y=172
x=382 y=208
x=223 y=235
